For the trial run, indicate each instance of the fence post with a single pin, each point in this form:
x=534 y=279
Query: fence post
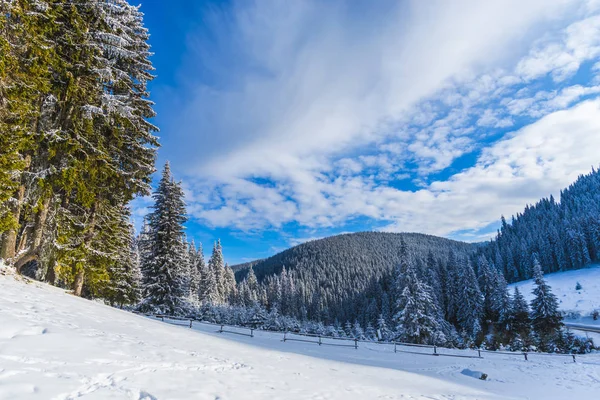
x=319 y=340
x=434 y=350
x=251 y=332
x=479 y=353
x=525 y=354
x=395 y=347
x=355 y=343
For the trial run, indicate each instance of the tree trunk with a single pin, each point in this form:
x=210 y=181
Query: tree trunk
x=79 y=277
x=36 y=238
x=9 y=241
x=78 y=285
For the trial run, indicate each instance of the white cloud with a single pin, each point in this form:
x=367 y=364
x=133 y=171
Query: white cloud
x=323 y=108
x=536 y=161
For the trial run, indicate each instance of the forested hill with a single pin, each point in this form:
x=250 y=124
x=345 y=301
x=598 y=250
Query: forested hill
x=563 y=235
x=347 y=276
x=362 y=256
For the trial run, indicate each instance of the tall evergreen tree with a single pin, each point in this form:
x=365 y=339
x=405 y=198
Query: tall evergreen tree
x=470 y=306
x=164 y=282
x=519 y=322
x=417 y=313
x=545 y=316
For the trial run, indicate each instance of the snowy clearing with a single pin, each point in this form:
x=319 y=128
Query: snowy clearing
x=563 y=284
x=57 y=346
x=578 y=304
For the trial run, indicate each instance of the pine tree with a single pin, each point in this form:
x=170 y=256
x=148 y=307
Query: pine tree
x=230 y=285
x=546 y=319
x=164 y=284
x=519 y=322
x=252 y=284
x=370 y=332
x=195 y=277
x=470 y=306
x=417 y=313
x=383 y=332
x=217 y=266
x=357 y=331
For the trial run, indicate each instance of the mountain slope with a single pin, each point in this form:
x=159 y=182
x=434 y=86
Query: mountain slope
x=377 y=251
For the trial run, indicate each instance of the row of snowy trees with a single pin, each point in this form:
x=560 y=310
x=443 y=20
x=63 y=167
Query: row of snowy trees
x=564 y=235
x=175 y=279
x=75 y=142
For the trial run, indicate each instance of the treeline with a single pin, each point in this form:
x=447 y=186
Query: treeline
x=75 y=142
x=564 y=235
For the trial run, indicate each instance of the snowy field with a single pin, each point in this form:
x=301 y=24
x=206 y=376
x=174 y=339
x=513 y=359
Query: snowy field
x=582 y=301
x=57 y=346
x=579 y=303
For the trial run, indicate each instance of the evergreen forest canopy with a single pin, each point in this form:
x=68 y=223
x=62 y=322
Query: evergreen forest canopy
x=76 y=146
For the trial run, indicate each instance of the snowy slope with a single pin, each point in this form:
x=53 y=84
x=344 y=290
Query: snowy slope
x=56 y=346
x=563 y=284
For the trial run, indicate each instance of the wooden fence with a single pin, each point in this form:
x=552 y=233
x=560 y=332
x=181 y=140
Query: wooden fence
x=321 y=340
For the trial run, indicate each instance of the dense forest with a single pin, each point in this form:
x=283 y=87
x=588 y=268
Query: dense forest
x=564 y=235
x=76 y=146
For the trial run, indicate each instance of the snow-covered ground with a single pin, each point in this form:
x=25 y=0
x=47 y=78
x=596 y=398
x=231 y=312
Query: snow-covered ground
x=563 y=284
x=57 y=346
x=578 y=304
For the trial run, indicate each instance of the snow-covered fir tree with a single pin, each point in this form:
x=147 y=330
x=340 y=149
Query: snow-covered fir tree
x=217 y=265
x=165 y=277
x=417 y=314
x=519 y=324
x=546 y=319
x=470 y=301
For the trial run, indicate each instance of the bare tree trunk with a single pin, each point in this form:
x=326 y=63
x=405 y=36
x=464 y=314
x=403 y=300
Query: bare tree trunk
x=9 y=240
x=50 y=275
x=78 y=285
x=79 y=277
x=36 y=238
x=9 y=243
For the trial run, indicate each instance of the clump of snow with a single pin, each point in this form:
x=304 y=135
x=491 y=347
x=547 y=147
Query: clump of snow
x=57 y=346
x=474 y=374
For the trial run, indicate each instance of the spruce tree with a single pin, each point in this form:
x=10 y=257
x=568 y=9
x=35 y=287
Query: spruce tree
x=217 y=265
x=164 y=282
x=546 y=319
x=417 y=313
x=470 y=304
x=519 y=322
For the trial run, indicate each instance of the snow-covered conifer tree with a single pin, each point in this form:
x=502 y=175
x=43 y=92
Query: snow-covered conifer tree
x=470 y=301
x=164 y=279
x=217 y=265
x=417 y=314
x=546 y=319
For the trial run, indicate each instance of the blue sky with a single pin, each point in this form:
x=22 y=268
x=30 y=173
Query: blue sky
x=288 y=121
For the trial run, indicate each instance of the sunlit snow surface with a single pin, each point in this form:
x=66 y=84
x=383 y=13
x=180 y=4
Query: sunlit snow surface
x=56 y=346
x=563 y=284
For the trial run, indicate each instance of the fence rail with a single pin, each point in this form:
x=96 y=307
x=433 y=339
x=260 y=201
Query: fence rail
x=321 y=340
